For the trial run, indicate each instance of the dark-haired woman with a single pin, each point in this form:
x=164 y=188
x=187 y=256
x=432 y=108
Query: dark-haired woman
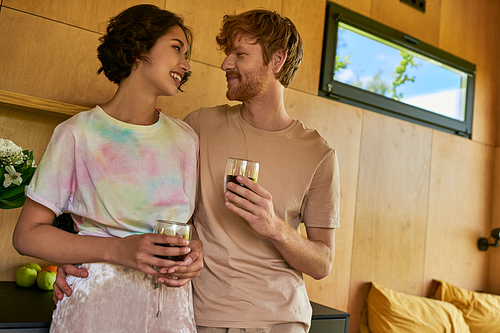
x=117 y=168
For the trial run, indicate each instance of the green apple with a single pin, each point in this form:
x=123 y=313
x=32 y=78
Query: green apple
x=46 y=279
x=34 y=266
x=25 y=276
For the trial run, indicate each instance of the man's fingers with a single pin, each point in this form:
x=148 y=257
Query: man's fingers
x=174 y=283
x=64 y=270
x=57 y=294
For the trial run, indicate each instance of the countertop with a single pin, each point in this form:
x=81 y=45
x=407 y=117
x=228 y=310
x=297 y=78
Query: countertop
x=24 y=307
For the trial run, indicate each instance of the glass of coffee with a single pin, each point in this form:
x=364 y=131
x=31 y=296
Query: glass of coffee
x=240 y=167
x=172 y=228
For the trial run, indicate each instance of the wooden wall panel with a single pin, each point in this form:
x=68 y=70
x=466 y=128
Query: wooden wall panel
x=455 y=36
x=467 y=30
x=494 y=253
x=308 y=16
x=206 y=87
x=340 y=124
x=363 y=7
x=391 y=208
x=402 y=17
x=484 y=123
x=91 y=14
x=205 y=18
x=31 y=132
x=487 y=86
x=50 y=60
x=460 y=202
x=497 y=108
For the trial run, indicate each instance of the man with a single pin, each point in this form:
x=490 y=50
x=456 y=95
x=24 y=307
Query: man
x=254 y=255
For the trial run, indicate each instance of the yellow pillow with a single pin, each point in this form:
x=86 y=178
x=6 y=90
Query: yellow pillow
x=481 y=311
x=389 y=311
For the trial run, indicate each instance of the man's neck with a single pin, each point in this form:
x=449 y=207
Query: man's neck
x=267 y=112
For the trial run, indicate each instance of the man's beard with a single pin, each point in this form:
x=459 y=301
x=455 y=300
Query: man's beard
x=248 y=86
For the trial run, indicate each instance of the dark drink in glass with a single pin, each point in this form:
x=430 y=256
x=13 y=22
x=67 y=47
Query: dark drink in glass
x=233 y=179
x=171 y=228
x=174 y=258
x=240 y=167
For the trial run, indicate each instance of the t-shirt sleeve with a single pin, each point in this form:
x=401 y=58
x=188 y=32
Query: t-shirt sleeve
x=322 y=203
x=53 y=183
x=192 y=119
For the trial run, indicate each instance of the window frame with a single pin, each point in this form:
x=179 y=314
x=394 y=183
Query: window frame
x=358 y=97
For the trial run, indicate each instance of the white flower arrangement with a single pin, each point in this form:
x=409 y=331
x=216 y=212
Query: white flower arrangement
x=16 y=169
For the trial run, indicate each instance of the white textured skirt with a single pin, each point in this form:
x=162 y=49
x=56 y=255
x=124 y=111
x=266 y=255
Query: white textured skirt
x=117 y=299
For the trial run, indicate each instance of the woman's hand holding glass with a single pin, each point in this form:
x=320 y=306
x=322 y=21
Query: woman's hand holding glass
x=180 y=253
x=174 y=229
x=138 y=252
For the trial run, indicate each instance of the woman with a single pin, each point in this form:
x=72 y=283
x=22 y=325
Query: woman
x=117 y=168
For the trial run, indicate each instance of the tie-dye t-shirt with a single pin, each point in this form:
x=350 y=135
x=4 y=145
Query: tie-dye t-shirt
x=116 y=178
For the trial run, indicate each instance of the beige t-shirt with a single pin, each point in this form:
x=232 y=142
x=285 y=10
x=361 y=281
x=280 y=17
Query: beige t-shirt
x=246 y=282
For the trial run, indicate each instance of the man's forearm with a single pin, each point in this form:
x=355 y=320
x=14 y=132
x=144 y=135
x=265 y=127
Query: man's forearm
x=313 y=257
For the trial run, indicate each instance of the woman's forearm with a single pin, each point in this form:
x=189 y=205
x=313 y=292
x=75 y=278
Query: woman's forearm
x=35 y=236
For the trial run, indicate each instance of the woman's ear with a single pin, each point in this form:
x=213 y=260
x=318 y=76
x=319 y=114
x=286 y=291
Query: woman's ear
x=136 y=63
x=278 y=60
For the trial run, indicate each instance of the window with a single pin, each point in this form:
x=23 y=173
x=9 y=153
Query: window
x=369 y=65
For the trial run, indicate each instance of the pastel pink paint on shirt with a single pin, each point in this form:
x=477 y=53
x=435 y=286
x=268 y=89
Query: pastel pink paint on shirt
x=116 y=178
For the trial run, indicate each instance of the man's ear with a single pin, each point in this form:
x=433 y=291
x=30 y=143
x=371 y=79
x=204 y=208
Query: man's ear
x=278 y=59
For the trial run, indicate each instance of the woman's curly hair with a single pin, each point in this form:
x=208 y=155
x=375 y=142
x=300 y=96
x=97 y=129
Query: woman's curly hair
x=131 y=35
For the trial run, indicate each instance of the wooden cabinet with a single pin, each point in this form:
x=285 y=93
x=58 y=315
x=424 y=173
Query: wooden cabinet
x=24 y=309
x=328 y=320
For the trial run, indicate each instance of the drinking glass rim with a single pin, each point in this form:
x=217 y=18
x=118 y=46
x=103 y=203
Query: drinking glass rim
x=172 y=222
x=242 y=159
x=173 y=226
